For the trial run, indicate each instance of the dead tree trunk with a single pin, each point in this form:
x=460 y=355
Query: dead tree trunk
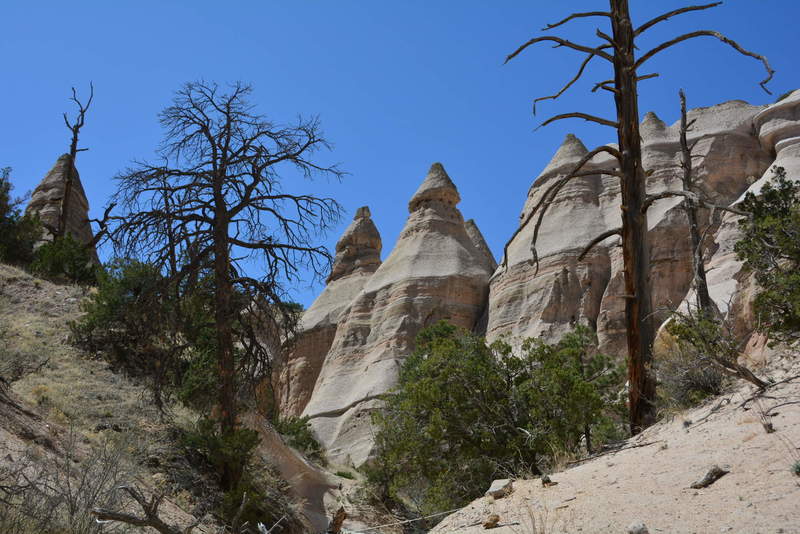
x=704 y=302
x=635 y=250
x=619 y=50
x=75 y=128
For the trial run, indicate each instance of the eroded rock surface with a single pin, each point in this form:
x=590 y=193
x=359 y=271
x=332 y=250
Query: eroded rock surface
x=47 y=201
x=358 y=255
x=525 y=302
x=434 y=272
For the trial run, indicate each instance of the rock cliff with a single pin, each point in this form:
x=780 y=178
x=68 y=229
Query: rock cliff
x=435 y=271
x=363 y=325
x=358 y=255
x=523 y=302
x=47 y=201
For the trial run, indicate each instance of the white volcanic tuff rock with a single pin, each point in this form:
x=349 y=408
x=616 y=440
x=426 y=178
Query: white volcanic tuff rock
x=525 y=303
x=778 y=128
x=358 y=255
x=434 y=272
x=529 y=300
x=47 y=198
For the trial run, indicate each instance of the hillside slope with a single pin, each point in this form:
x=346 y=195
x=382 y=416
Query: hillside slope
x=650 y=481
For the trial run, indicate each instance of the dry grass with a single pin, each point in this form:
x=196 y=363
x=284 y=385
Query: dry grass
x=85 y=402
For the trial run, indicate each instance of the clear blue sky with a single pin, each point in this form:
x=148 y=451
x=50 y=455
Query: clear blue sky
x=398 y=85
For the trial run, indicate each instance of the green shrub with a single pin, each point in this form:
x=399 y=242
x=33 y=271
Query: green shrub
x=65 y=258
x=228 y=452
x=137 y=322
x=345 y=474
x=796 y=468
x=686 y=375
x=464 y=413
x=298 y=433
x=18 y=232
x=770 y=248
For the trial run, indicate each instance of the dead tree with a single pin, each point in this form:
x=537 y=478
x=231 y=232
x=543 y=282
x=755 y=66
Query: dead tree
x=149 y=509
x=75 y=129
x=215 y=206
x=620 y=50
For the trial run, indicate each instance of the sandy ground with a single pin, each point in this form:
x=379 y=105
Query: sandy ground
x=650 y=483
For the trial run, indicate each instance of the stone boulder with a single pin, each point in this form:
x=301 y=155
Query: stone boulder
x=48 y=198
x=358 y=255
x=434 y=272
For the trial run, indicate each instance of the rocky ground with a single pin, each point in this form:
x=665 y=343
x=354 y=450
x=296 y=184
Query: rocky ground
x=756 y=439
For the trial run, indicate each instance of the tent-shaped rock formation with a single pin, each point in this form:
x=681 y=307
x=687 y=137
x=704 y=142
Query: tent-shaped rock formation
x=435 y=272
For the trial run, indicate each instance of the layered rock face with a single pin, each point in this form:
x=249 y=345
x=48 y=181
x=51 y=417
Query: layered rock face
x=360 y=330
x=526 y=303
x=48 y=198
x=778 y=130
x=436 y=271
x=358 y=255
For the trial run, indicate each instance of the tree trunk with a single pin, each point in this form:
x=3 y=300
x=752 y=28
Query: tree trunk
x=704 y=302
x=635 y=250
x=223 y=295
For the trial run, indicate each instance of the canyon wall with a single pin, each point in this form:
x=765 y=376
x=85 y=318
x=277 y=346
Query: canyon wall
x=362 y=327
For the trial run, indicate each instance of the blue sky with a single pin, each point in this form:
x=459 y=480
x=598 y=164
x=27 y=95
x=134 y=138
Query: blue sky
x=397 y=85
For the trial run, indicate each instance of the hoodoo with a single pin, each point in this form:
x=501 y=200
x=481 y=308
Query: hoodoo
x=434 y=272
x=358 y=255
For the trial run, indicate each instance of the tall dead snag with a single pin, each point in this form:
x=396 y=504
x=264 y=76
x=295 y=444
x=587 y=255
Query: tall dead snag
x=619 y=49
x=75 y=129
x=214 y=207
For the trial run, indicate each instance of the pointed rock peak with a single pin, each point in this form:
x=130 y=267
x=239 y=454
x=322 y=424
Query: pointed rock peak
x=437 y=186
x=359 y=248
x=651 y=124
x=362 y=213
x=476 y=237
x=570 y=151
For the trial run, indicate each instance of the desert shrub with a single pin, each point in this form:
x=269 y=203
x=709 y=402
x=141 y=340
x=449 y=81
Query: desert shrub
x=685 y=375
x=298 y=433
x=56 y=492
x=257 y=494
x=796 y=468
x=18 y=232
x=464 y=413
x=64 y=258
x=227 y=452
x=142 y=325
x=770 y=248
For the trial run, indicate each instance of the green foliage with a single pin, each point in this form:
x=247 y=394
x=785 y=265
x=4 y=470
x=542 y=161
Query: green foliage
x=345 y=474
x=770 y=248
x=65 y=258
x=796 y=468
x=18 y=232
x=686 y=373
x=298 y=433
x=464 y=413
x=229 y=453
x=136 y=321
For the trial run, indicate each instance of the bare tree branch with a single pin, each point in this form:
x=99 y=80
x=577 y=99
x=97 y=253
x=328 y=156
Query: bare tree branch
x=567 y=85
x=604 y=83
x=597 y=240
x=150 y=510
x=716 y=35
x=561 y=42
x=661 y=18
x=550 y=193
x=694 y=197
x=578 y=115
x=577 y=16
